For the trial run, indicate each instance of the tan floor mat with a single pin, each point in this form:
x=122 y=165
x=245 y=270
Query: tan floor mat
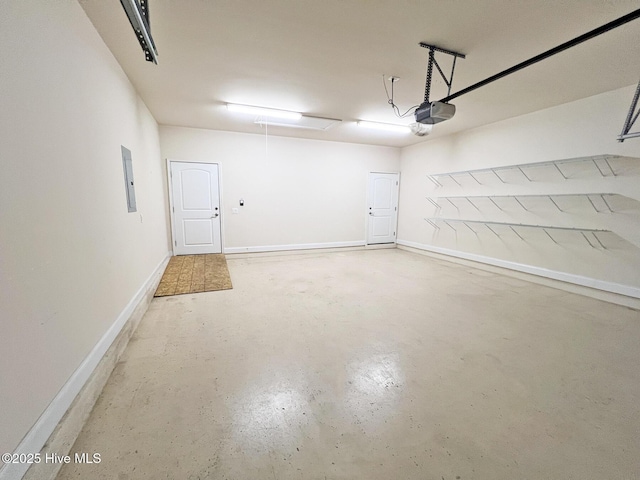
x=193 y=274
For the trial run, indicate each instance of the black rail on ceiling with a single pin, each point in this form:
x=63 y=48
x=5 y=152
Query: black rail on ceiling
x=571 y=43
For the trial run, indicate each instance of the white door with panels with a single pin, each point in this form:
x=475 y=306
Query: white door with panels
x=195 y=208
x=382 y=208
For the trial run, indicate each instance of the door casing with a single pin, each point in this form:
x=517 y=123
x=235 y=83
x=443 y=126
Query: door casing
x=395 y=177
x=171 y=200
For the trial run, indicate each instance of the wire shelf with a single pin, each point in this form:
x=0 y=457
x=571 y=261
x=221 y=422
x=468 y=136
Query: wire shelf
x=469 y=198
x=593 y=232
x=600 y=162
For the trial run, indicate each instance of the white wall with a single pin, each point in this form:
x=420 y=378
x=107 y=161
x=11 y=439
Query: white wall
x=583 y=128
x=71 y=257
x=296 y=192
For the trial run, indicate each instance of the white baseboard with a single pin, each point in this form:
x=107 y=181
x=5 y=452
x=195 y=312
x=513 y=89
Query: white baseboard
x=590 y=283
x=39 y=434
x=299 y=246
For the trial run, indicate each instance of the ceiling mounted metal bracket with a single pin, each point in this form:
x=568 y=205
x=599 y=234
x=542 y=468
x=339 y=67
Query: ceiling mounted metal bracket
x=138 y=13
x=560 y=48
x=632 y=116
x=432 y=61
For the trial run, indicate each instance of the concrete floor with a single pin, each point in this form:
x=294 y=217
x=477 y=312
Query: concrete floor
x=373 y=364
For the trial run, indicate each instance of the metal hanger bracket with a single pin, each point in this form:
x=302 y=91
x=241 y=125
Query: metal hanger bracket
x=632 y=116
x=432 y=61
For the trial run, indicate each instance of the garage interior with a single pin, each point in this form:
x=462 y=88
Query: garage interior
x=485 y=326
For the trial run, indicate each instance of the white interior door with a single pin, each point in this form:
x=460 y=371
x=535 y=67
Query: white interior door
x=195 y=208
x=382 y=208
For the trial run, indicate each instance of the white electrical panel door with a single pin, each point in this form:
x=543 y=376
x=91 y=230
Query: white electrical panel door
x=195 y=208
x=382 y=208
x=128 y=179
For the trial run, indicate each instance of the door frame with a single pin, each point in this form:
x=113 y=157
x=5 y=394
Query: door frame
x=170 y=189
x=366 y=212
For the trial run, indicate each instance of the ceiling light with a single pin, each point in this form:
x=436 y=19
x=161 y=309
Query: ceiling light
x=420 y=129
x=267 y=112
x=384 y=126
x=306 y=121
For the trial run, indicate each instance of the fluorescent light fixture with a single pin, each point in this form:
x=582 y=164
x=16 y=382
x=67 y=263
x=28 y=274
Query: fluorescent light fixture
x=267 y=112
x=307 y=121
x=384 y=126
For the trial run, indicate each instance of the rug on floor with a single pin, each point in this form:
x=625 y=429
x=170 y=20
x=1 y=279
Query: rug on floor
x=193 y=274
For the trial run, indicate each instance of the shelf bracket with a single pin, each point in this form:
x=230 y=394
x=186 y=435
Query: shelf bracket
x=598 y=239
x=451 y=177
x=494 y=202
x=496 y=174
x=514 y=231
x=525 y=175
x=432 y=223
x=435 y=182
x=604 y=200
x=549 y=235
x=434 y=203
x=560 y=171
x=492 y=230
x=606 y=203
x=606 y=160
x=593 y=204
x=449 y=225
x=465 y=224
x=474 y=205
x=448 y=200
x=588 y=241
x=473 y=176
x=600 y=169
x=520 y=203
x=554 y=202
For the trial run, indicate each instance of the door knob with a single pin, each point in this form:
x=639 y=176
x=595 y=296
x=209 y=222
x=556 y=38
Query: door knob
x=214 y=216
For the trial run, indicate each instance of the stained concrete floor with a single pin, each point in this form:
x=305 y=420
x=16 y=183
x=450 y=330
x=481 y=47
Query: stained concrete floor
x=376 y=364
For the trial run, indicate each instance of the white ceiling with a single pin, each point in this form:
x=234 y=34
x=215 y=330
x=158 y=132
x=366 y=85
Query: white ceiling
x=328 y=57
